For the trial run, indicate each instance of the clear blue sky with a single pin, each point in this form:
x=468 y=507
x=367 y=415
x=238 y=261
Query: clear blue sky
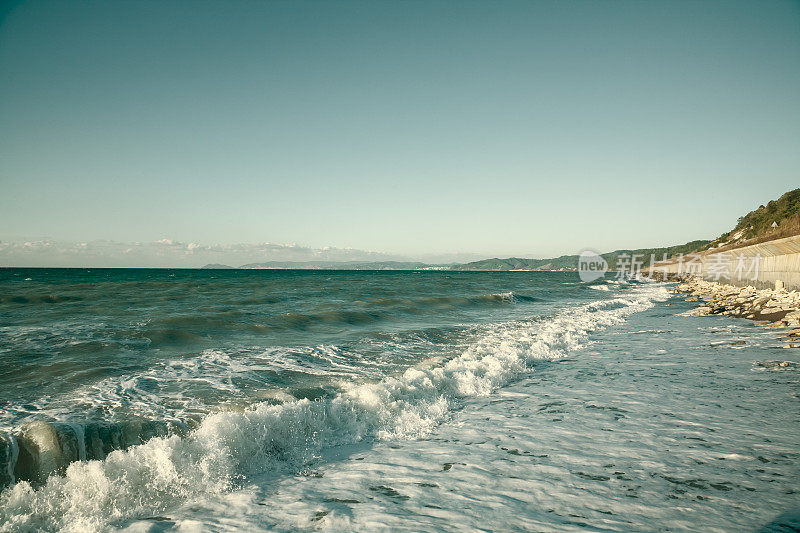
x=500 y=128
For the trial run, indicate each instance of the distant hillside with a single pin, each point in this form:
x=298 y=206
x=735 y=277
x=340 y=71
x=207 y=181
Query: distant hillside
x=217 y=266
x=757 y=226
x=657 y=253
x=565 y=262
x=570 y=262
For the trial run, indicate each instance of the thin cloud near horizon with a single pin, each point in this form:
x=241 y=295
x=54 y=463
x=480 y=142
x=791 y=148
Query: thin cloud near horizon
x=167 y=252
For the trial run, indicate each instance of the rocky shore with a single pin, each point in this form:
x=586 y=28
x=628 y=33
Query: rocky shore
x=776 y=308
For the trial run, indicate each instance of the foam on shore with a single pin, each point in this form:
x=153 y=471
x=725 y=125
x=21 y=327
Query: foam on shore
x=229 y=446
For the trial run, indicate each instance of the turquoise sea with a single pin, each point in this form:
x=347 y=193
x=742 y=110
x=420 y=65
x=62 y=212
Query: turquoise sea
x=280 y=400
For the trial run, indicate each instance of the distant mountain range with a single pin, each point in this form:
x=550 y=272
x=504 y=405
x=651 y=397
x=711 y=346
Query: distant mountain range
x=779 y=218
x=565 y=262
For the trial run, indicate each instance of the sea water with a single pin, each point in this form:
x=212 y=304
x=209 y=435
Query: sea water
x=152 y=400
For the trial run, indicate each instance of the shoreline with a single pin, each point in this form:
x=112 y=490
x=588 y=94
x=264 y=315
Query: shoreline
x=772 y=308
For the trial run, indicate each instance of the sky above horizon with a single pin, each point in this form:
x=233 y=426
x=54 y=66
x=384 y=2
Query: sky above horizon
x=417 y=129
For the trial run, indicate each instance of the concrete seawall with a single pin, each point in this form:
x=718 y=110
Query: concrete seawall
x=758 y=265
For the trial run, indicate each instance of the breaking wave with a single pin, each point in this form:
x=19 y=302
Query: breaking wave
x=163 y=470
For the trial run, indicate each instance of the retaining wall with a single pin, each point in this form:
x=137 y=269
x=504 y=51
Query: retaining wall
x=766 y=262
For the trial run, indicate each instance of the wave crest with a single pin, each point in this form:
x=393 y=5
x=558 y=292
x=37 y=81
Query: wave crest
x=227 y=447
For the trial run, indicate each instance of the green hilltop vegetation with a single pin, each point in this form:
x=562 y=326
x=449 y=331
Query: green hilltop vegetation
x=570 y=262
x=757 y=226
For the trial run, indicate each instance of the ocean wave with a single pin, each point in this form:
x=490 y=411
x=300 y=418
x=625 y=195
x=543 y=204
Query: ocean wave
x=380 y=309
x=203 y=327
x=186 y=330
x=511 y=296
x=183 y=389
x=34 y=299
x=42 y=449
x=448 y=302
x=227 y=447
x=190 y=385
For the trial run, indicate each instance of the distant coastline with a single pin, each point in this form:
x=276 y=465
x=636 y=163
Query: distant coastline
x=564 y=263
x=778 y=219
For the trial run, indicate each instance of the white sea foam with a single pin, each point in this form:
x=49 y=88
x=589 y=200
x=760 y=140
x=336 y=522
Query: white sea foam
x=171 y=390
x=12 y=456
x=229 y=446
x=505 y=296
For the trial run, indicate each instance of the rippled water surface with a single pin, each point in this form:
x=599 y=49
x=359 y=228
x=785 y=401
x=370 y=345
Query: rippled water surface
x=247 y=400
